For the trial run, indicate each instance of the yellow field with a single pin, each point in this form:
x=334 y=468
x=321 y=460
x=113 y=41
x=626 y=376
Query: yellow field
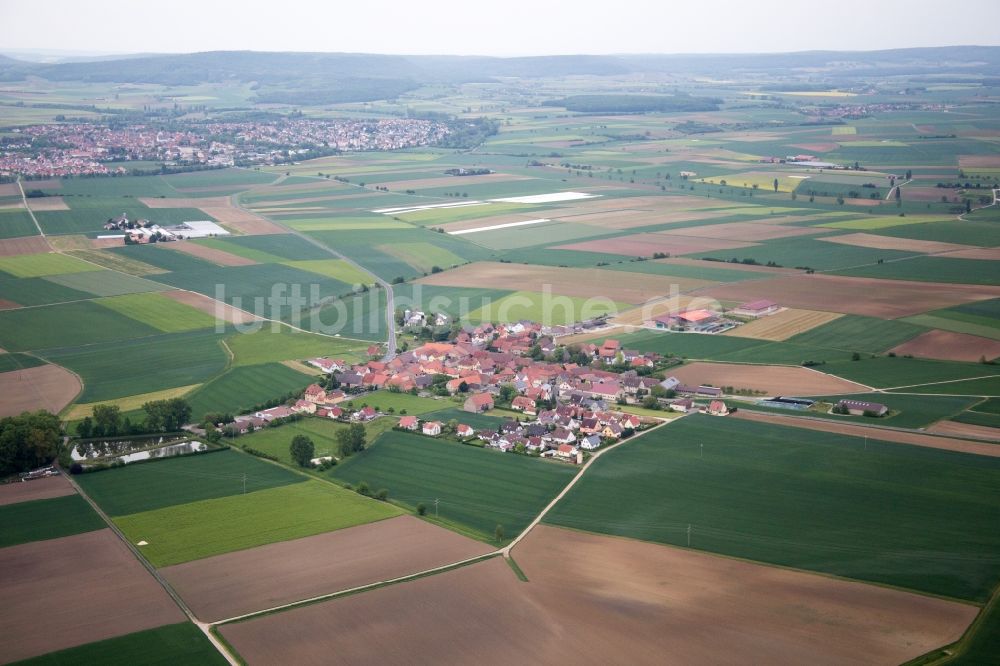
x=128 y=403
x=818 y=93
x=763 y=180
x=783 y=325
x=846 y=129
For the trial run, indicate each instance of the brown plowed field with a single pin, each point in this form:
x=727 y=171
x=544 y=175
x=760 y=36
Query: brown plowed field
x=744 y=231
x=817 y=147
x=898 y=436
x=956 y=429
x=771 y=379
x=597 y=600
x=645 y=245
x=214 y=255
x=10 y=247
x=888 y=299
x=78 y=589
x=979 y=161
x=987 y=253
x=888 y=243
x=211 y=306
x=53 y=486
x=783 y=325
x=47 y=203
x=581 y=282
x=251 y=580
x=950 y=346
x=42 y=387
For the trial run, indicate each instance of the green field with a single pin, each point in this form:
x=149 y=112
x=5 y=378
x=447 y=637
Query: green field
x=931 y=269
x=173 y=481
x=423 y=256
x=65 y=325
x=885 y=372
x=37 y=291
x=119 y=369
x=551 y=310
x=975 y=318
x=287 y=344
x=856 y=333
x=905 y=411
x=322 y=432
x=338 y=269
x=40 y=265
x=106 y=283
x=987 y=386
x=385 y=400
x=160 y=312
x=46 y=519
x=477 y=488
x=191 y=531
x=10 y=362
x=172 y=644
x=240 y=388
x=487 y=421
x=804 y=499
x=16 y=223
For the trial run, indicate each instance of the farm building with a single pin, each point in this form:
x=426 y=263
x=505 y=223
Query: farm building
x=755 y=309
x=480 y=402
x=689 y=320
x=860 y=407
x=718 y=408
x=787 y=403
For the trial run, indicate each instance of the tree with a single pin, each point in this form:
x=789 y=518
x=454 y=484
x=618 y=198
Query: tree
x=968 y=205
x=28 y=440
x=107 y=420
x=382 y=494
x=85 y=428
x=855 y=356
x=650 y=402
x=498 y=533
x=302 y=450
x=352 y=439
x=775 y=184
x=421 y=509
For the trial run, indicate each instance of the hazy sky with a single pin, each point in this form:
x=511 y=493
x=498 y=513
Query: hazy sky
x=492 y=27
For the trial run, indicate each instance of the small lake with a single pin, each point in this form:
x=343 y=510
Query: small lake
x=177 y=449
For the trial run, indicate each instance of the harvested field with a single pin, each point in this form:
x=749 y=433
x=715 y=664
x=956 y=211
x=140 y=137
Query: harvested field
x=211 y=306
x=662 y=605
x=214 y=255
x=950 y=346
x=10 y=247
x=744 y=231
x=888 y=299
x=771 y=379
x=817 y=147
x=645 y=245
x=987 y=161
x=580 y=282
x=956 y=429
x=898 y=436
x=53 y=486
x=483 y=222
x=66 y=592
x=42 y=387
x=47 y=203
x=9 y=190
x=890 y=243
x=987 y=253
x=783 y=325
x=250 y=580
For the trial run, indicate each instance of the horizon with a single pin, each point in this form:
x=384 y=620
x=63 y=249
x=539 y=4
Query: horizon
x=520 y=29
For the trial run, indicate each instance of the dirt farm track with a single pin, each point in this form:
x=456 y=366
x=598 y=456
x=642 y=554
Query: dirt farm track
x=596 y=600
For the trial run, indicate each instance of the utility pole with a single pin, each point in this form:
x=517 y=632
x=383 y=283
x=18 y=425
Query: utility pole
x=244 y=483
x=436 y=500
x=866 y=442
x=701 y=451
x=689 y=535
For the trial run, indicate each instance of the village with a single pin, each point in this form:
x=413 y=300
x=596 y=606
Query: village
x=561 y=409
